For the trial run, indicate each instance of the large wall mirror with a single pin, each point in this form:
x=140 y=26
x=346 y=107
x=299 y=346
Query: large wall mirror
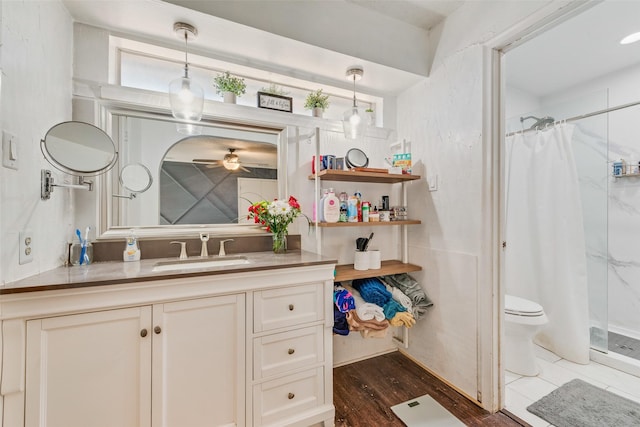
x=203 y=180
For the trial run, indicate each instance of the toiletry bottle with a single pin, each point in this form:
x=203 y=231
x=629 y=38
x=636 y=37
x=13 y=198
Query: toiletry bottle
x=359 y=205
x=131 y=249
x=343 y=206
x=352 y=209
x=331 y=207
x=365 y=211
x=320 y=209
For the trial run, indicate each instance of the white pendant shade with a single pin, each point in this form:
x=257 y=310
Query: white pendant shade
x=186 y=98
x=354 y=122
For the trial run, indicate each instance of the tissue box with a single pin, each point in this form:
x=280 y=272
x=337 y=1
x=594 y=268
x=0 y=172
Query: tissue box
x=403 y=161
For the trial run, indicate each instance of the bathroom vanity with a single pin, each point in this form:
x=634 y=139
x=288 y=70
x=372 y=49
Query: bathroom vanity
x=117 y=344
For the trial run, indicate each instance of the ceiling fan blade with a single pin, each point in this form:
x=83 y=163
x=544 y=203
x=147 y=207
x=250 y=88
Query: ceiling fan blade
x=245 y=169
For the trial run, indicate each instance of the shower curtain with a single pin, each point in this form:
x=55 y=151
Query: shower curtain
x=545 y=258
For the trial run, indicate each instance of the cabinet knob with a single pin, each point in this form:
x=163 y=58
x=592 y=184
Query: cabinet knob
x=143 y=333
x=291 y=307
x=291 y=396
x=157 y=329
x=291 y=351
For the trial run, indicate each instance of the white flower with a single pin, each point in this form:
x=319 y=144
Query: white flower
x=279 y=208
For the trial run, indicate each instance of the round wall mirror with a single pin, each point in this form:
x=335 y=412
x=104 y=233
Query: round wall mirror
x=136 y=178
x=79 y=149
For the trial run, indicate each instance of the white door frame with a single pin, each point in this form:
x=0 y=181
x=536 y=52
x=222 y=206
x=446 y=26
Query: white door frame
x=491 y=305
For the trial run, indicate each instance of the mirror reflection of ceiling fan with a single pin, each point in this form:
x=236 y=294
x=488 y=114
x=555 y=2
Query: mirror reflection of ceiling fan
x=231 y=162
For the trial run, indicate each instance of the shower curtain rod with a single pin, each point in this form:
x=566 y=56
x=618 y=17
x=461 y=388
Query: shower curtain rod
x=584 y=116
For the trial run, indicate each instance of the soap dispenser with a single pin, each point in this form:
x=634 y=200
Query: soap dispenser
x=131 y=249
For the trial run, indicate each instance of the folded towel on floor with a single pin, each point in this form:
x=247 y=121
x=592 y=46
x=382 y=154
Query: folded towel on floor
x=366 y=310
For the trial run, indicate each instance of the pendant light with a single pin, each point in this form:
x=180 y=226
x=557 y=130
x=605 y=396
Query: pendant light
x=186 y=96
x=353 y=120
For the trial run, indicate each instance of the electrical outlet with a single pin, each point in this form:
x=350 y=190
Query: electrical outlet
x=432 y=180
x=9 y=150
x=25 y=247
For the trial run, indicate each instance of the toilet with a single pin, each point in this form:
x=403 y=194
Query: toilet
x=523 y=319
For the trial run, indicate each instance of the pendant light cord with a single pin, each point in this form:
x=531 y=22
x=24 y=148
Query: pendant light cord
x=354 y=92
x=186 y=60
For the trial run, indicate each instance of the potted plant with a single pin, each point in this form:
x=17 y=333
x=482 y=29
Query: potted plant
x=274 y=89
x=229 y=86
x=371 y=116
x=317 y=103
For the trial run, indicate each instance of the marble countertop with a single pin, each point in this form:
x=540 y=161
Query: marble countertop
x=117 y=272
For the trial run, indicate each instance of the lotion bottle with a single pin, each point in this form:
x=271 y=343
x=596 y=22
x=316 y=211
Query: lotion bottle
x=325 y=192
x=331 y=207
x=131 y=249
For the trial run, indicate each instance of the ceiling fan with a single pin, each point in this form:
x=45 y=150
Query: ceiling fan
x=231 y=162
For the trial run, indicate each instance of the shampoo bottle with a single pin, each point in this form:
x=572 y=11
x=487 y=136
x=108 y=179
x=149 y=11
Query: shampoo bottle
x=321 y=206
x=331 y=207
x=131 y=249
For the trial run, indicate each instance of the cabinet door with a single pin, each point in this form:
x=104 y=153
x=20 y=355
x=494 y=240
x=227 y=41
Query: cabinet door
x=199 y=363
x=89 y=370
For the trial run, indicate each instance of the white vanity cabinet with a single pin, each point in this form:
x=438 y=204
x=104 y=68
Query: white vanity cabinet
x=235 y=349
x=173 y=364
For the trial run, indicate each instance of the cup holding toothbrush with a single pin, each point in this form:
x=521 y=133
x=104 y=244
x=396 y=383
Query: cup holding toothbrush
x=76 y=253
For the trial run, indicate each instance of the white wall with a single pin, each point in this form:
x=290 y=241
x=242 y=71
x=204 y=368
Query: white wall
x=36 y=94
x=443 y=117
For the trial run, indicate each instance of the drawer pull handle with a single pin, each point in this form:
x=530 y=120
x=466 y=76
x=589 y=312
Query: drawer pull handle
x=143 y=333
x=291 y=307
x=157 y=329
x=291 y=351
x=291 y=396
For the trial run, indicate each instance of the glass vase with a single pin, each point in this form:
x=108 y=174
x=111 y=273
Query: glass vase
x=280 y=242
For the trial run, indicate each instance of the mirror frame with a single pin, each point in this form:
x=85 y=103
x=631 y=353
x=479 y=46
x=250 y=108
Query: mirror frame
x=108 y=121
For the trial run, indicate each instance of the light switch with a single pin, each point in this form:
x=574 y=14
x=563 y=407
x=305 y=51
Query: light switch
x=432 y=180
x=9 y=150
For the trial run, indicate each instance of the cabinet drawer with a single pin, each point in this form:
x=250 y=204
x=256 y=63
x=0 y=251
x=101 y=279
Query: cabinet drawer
x=279 y=353
x=278 y=308
x=284 y=397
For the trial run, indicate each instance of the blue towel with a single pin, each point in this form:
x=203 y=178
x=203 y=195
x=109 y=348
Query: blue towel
x=340 y=324
x=344 y=300
x=372 y=290
x=391 y=308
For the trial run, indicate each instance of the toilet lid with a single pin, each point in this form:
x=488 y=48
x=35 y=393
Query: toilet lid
x=521 y=306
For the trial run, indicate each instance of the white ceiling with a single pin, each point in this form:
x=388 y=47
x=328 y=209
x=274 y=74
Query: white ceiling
x=308 y=39
x=576 y=51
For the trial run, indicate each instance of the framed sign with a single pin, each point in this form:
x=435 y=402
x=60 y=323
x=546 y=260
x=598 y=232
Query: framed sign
x=275 y=102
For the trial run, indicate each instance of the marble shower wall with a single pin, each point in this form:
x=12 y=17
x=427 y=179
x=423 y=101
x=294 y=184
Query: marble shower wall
x=611 y=206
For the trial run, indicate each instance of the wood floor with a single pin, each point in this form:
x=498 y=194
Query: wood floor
x=364 y=392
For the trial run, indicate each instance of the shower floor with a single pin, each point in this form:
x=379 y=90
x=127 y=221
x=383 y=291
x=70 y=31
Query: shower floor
x=623 y=345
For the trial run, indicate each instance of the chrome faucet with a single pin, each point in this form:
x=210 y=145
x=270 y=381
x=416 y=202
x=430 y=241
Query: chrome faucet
x=221 y=252
x=183 y=249
x=204 y=237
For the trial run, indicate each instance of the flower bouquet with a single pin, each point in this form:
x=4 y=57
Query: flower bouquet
x=276 y=216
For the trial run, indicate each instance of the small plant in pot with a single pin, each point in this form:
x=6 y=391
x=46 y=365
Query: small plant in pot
x=274 y=89
x=371 y=116
x=317 y=102
x=229 y=86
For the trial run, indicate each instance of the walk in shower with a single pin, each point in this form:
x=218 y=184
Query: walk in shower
x=604 y=134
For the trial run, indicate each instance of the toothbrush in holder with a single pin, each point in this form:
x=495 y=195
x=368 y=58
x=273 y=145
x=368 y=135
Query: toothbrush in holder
x=84 y=256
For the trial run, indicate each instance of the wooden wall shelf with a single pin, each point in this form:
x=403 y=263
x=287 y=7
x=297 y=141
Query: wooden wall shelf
x=347 y=272
x=353 y=176
x=366 y=224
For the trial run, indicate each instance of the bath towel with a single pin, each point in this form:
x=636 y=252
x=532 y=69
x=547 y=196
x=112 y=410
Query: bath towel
x=399 y=296
x=340 y=325
x=365 y=310
x=412 y=289
x=343 y=299
x=372 y=290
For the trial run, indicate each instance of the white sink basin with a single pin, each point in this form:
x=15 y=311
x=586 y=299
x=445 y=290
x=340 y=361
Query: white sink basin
x=191 y=264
